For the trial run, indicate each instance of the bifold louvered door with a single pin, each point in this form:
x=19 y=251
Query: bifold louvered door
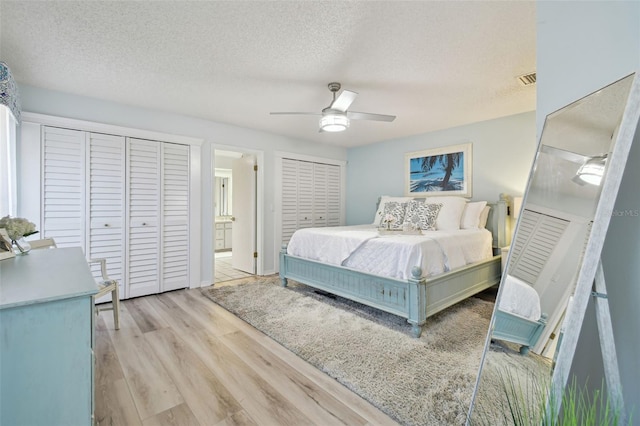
x=289 y=198
x=122 y=199
x=63 y=186
x=106 y=205
x=305 y=194
x=319 y=195
x=158 y=217
x=175 y=216
x=83 y=195
x=538 y=236
x=143 y=172
x=334 y=203
x=311 y=196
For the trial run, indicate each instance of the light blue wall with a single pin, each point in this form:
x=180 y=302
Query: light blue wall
x=583 y=46
x=214 y=134
x=503 y=151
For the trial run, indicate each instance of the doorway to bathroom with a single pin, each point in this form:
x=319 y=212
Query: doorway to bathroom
x=235 y=215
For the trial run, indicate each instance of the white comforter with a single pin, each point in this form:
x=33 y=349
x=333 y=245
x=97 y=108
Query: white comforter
x=362 y=248
x=520 y=299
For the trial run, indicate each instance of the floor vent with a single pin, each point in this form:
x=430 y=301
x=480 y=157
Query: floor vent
x=527 y=79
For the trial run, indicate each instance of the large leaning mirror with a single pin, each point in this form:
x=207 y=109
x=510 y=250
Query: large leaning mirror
x=547 y=256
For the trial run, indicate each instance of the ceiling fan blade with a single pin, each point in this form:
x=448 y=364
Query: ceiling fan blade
x=344 y=100
x=368 y=116
x=295 y=113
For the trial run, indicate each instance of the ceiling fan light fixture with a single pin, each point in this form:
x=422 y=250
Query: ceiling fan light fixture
x=592 y=170
x=334 y=123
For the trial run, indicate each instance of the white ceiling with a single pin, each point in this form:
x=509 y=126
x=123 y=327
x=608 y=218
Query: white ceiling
x=432 y=64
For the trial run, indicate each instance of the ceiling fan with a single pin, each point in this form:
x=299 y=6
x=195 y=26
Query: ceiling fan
x=335 y=117
x=591 y=168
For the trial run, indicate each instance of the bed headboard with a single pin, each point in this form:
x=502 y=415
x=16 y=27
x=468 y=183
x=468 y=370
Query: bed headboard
x=498 y=222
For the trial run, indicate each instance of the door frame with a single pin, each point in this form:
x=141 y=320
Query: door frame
x=259 y=203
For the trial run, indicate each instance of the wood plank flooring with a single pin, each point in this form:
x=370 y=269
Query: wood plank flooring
x=180 y=359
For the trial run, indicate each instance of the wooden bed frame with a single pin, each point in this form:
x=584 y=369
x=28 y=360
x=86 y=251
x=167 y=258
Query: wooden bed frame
x=416 y=298
x=519 y=330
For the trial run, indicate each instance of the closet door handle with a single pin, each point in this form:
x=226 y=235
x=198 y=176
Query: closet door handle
x=144 y=223
x=106 y=225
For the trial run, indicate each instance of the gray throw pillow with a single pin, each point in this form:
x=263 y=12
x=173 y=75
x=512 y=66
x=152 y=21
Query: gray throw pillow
x=397 y=211
x=422 y=215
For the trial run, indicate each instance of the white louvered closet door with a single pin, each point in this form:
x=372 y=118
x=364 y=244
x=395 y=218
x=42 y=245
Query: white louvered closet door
x=175 y=217
x=319 y=195
x=63 y=186
x=143 y=217
x=289 y=186
x=538 y=235
x=305 y=194
x=334 y=199
x=106 y=205
x=311 y=196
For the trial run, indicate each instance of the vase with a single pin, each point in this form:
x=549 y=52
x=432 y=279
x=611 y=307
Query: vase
x=20 y=246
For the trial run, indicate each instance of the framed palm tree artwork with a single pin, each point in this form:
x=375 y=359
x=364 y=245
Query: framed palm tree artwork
x=439 y=171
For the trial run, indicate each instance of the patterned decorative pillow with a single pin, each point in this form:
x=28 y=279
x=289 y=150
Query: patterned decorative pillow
x=384 y=199
x=397 y=211
x=422 y=215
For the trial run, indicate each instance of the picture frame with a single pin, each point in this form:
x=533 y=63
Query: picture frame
x=6 y=250
x=439 y=171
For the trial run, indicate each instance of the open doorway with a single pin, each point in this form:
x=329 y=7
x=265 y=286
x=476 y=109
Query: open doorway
x=235 y=215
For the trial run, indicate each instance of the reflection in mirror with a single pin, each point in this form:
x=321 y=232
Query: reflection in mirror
x=223 y=192
x=545 y=256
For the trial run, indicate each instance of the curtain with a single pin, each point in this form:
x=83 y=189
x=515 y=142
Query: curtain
x=8 y=187
x=9 y=91
x=9 y=120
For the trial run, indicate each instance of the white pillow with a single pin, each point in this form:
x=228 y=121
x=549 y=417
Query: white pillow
x=450 y=213
x=383 y=200
x=483 y=217
x=471 y=215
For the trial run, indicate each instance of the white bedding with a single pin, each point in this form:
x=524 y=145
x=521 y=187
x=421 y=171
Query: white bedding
x=519 y=298
x=362 y=248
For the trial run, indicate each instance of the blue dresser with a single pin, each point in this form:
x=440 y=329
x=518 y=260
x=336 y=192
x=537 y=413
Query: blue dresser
x=46 y=339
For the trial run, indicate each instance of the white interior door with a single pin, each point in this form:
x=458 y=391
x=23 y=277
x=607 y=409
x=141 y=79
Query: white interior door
x=243 y=232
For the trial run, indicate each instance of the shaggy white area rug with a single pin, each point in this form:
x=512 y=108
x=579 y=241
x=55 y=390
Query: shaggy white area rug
x=425 y=381
x=511 y=385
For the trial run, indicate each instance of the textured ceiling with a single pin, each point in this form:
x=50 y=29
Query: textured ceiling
x=432 y=64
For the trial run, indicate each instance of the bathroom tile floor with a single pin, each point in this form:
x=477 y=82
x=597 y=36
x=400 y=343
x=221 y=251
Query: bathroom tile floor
x=224 y=270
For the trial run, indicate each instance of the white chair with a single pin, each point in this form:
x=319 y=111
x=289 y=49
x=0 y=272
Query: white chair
x=106 y=286
x=45 y=243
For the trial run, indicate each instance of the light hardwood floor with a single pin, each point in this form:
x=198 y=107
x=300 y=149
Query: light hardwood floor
x=180 y=359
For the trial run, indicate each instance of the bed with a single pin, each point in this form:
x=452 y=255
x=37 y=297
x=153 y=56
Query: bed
x=417 y=288
x=518 y=317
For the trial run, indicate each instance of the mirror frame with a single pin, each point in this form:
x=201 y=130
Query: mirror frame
x=591 y=262
x=574 y=317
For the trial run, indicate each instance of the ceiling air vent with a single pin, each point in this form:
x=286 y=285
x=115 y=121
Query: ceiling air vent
x=527 y=79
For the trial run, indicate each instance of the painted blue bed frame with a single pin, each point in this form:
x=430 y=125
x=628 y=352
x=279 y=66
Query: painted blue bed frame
x=416 y=298
x=521 y=331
